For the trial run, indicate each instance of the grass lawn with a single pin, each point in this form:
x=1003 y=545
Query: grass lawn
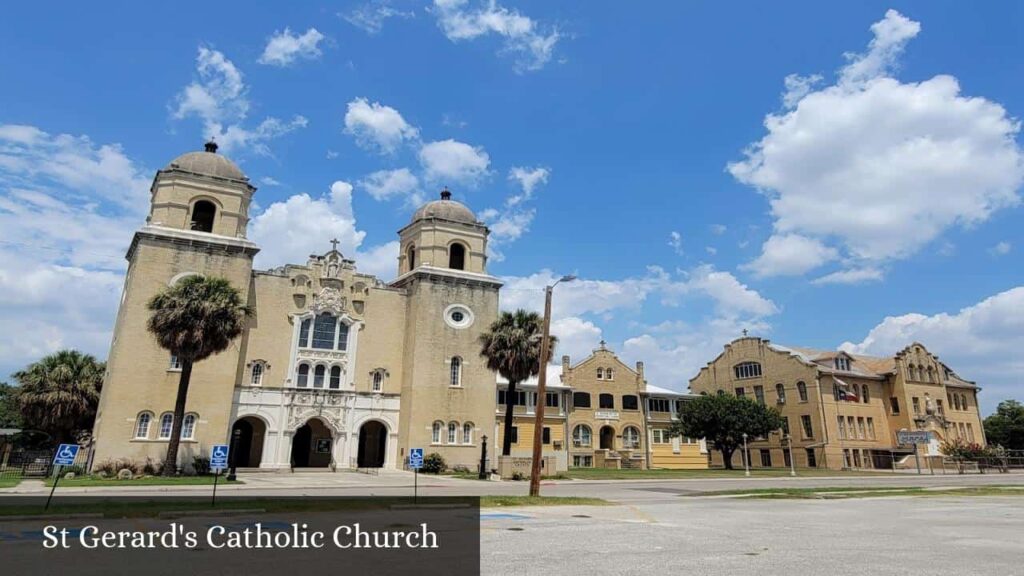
x=92 y=481
x=610 y=474
x=504 y=501
x=872 y=492
x=9 y=482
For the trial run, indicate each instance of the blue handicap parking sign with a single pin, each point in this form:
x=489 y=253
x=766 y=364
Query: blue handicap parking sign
x=65 y=455
x=219 y=457
x=416 y=458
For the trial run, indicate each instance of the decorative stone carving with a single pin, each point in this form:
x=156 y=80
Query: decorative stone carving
x=329 y=300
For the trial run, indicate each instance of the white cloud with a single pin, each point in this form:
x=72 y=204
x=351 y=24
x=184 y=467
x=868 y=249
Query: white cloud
x=1001 y=249
x=68 y=208
x=220 y=99
x=718 y=229
x=284 y=48
x=851 y=276
x=732 y=298
x=453 y=161
x=711 y=250
x=370 y=17
x=981 y=342
x=376 y=126
x=576 y=337
x=388 y=184
x=380 y=260
x=513 y=220
x=878 y=167
x=790 y=254
x=524 y=39
x=269 y=181
x=528 y=179
x=675 y=240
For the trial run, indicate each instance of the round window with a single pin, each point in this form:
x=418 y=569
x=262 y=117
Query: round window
x=458 y=316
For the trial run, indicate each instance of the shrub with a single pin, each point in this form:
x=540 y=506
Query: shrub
x=152 y=468
x=201 y=465
x=112 y=467
x=434 y=464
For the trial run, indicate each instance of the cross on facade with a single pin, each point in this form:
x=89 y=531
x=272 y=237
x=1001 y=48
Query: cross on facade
x=334 y=244
x=744 y=331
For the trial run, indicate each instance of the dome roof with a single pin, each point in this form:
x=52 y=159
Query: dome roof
x=207 y=163
x=445 y=209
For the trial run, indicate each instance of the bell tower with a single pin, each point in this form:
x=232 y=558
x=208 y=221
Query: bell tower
x=443 y=234
x=196 y=227
x=447 y=401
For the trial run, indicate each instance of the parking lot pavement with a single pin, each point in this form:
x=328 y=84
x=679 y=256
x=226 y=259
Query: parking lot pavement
x=878 y=536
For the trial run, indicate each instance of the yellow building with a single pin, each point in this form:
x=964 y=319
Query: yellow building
x=600 y=413
x=844 y=410
x=335 y=367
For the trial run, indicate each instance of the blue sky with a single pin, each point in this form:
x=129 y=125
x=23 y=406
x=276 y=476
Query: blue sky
x=819 y=174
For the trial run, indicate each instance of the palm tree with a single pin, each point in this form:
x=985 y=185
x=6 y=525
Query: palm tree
x=194 y=319
x=512 y=349
x=59 y=393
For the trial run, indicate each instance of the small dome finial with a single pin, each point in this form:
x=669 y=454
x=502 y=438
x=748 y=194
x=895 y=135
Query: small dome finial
x=445 y=194
x=210 y=146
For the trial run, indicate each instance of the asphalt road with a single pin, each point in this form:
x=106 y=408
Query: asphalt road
x=728 y=536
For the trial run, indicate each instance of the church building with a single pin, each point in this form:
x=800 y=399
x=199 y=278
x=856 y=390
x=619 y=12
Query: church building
x=335 y=368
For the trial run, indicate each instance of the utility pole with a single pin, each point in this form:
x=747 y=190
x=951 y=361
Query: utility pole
x=542 y=382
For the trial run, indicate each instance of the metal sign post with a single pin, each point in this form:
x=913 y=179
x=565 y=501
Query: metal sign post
x=915 y=439
x=64 y=456
x=218 y=462
x=415 y=462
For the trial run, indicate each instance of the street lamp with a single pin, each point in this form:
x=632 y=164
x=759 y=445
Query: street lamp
x=542 y=381
x=746 y=457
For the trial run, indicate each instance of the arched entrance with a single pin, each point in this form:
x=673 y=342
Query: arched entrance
x=607 y=438
x=248 y=448
x=312 y=445
x=373 y=442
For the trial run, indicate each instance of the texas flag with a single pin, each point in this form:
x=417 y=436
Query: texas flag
x=845 y=393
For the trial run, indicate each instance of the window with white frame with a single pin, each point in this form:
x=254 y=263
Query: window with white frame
x=323 y=332
x=780 y=393
x=581 y=436
x=582 y=461
x=630 y=438
x=453 y=429
x=747 y=370
x=302 y=380
x=335 y=381
x=659 y=405
x=609 y=374
x=142 y=425
x=467 y=433
x=174 y=363
x=842 y=363
x=435 y=433
x=188 y=427
x=256 y=377
x=455 y=375
x=318 y=376
x=166 y=425
x=660 y=436
x=600 y=373
x=378 y=380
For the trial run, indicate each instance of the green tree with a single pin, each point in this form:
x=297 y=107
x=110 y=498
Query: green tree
x=722 y=419
x=10 y=413
x=59 y=393
x=512 y=349
x=1006 y=427
x=194 y=319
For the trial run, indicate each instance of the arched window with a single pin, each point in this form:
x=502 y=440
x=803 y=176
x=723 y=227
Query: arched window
x=257 y=374
x=780 y=391
x=378 y=381
x=303 y=380
x=304 y=332
x=335 y=377
x=801 y=390
x=457 y=256
x=453 y=429
x=410 y=254
x=600 y=373
x=580 y=400
x=324 y=328
x=581 y=436
x=142 y=425
x=608 y=374
x=318 y=376
x=606 y=401
x=435 y=432
x=188 y=427
x=630 y=438
x=747 y=370
x=467 y=433
x=166 y=425
x=865 y=395
x=203 y=214
x=455 y=376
